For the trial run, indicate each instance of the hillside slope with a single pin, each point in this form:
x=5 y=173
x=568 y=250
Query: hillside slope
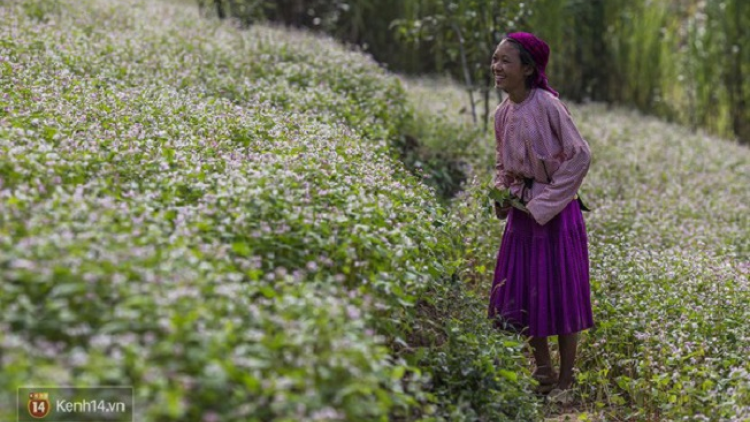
x=214 y=217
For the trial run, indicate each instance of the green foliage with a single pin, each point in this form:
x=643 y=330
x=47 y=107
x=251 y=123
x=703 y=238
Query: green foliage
x=462 y=35
x=364 y=23
x=39 y=9
x=505 y=197
x=215 y=217
x=669 y=275
x=444 y=169
x=440 y=143
x=683 y=60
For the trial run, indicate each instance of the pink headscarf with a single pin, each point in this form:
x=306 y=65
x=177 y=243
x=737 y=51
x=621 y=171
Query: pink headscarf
x=539 y=51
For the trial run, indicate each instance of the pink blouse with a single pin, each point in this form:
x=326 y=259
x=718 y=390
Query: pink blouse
x=537 y=138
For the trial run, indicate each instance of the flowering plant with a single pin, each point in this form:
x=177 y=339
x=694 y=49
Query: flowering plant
x=505 y=198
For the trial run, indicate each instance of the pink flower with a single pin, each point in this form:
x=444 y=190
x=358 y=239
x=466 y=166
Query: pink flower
x=352 y=312
x=211 y=417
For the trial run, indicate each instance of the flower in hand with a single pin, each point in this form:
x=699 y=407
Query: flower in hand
x=504 y=200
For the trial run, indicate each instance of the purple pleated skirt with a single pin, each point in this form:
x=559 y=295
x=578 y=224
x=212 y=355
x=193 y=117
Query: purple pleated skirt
x=541 y=284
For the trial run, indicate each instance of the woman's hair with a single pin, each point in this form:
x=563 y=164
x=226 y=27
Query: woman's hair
x=526 y=59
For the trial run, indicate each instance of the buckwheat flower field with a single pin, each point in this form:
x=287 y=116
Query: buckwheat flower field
x=214 y=216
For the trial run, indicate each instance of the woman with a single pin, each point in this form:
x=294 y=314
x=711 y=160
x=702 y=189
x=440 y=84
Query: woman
x=541 y=282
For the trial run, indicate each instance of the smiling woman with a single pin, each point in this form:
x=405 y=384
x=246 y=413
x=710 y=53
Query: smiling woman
x=541 y=282
x=513 y=69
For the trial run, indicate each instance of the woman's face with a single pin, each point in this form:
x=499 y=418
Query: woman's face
x=510 y=73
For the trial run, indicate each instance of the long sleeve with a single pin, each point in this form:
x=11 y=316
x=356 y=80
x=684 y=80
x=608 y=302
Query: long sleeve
x=502 y=180
x=574 y=159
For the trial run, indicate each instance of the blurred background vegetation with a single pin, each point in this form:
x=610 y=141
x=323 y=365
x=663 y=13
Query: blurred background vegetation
x=683 y=60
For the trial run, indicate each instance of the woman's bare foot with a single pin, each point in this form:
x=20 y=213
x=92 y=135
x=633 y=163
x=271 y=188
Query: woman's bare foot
x=547 y=379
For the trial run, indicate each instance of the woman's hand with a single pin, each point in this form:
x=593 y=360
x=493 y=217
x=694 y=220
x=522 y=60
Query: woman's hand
x=502 y=210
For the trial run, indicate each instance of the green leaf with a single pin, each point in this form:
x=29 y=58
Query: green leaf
x=509 y=375
x=241 y=248
x=268 y=292
x=499 y=195
x=398 y=373
x=67 y=289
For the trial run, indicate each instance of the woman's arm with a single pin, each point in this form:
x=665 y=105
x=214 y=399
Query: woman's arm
x=502 y=178
x=575 y=159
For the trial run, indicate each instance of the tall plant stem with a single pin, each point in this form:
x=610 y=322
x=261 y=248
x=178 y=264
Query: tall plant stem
x=464 y=64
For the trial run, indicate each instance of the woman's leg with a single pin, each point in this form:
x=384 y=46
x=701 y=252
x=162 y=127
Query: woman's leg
x=540 y=348
x=568 y=345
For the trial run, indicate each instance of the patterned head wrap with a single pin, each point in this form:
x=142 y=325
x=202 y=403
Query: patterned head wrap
x=539 y=51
